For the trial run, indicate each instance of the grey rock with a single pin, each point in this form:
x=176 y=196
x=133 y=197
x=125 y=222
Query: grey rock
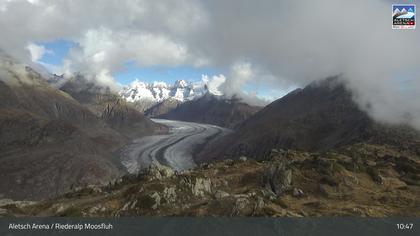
x=278 y=177
x=95 y=188
x=156 y=197
x=124 y=208
x=159 y=171
x=259 y=204
x=221 y=194
x=293 y=214
x=60 y=208
x=269 y=194
x=5 y=202
x=375 y=175
x=240 y=205
x=3 y=211
x=132 y=206
x=243 y=158
x=297 y=192
x=201 y=186
x=169 y=194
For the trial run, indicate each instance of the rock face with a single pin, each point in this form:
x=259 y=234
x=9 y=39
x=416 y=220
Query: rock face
x=322 y=116
x=307 y=184
x=201 y=187
x=278 y=176
x=212 y=109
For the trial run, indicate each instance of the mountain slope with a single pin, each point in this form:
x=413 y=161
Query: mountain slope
x=48 y=141
x=162 y=107
x=321 y=116
x=111 y=108
x=212 y=109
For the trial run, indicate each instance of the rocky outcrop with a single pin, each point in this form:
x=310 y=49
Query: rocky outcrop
x=278 y=176
x=201 y=186
x=159 y=171
x=286 y=184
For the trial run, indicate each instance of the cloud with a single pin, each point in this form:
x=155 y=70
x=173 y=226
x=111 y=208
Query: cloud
x=214 y=83
x=108 y=34
x=37 y=51
x=104 y=48
x=275 y=43
x=295 y=42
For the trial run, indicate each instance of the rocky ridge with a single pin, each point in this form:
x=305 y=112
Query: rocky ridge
x=357 y=180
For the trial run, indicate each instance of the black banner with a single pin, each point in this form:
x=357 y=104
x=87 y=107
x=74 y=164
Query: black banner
x=182 y=226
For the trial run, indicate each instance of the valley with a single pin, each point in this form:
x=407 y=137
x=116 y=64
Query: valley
x=175 y=149
x=139 y=108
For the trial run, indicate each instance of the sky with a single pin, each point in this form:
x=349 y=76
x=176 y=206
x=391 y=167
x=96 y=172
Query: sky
x=52 y=55
x=56 y=51
x=253 y=49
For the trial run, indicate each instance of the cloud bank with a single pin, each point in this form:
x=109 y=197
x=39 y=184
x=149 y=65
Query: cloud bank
x=276 y=43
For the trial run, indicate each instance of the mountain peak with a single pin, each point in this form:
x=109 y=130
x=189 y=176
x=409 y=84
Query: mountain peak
x=181 y=83
x=156 y=92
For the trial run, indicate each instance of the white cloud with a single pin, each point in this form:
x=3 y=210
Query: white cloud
x=37 y=51
x=147 y=32
x=214 y=83
x=279 y=43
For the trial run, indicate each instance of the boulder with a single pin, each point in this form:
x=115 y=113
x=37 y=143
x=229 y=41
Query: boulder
x=201 y=186
x=240 y=205
x=278 y=176
x=156 y=198
x=243 y=158
x=375 y=175
x=169 y=194
x=219 y=194
x=297 y=192
x=259 y=204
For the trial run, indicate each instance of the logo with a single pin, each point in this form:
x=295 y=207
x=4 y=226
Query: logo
x=403 y=16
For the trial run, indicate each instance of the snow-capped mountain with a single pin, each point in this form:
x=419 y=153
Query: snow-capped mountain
x=156 y=92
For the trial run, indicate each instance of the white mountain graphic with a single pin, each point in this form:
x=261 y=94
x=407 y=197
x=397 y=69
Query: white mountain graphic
x=403 y=13
x=396 y=12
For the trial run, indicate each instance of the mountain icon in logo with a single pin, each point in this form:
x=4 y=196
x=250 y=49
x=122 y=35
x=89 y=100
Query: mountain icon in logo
x=402 y=13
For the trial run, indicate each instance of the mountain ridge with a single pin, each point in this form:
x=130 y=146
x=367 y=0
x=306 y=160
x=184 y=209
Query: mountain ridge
x=50 y=142
x=322 y=116
x=146 y=95
x=211 y=109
